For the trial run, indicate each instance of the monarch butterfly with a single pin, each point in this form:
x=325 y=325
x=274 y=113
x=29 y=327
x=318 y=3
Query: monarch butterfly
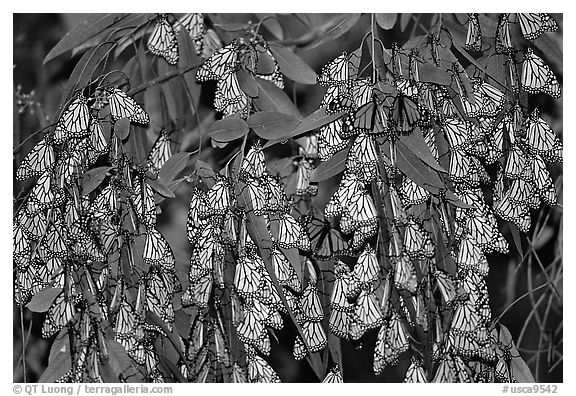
x=54 y=242
x=246 y=276
x=303 y=186
x=516 y=162
x=200 y=290
x=514 y=213
x=392 y=341
x=289 y=233
x=265 y=62
x=123 y=106
x=219 y=63
x=326 y=242
x=126 y=320
x=251 y=330
x=367 y=268
x=329 y=139
x=37 y=161
x=345 y=285
x=523 y=193
x=470 y=257
x=362 y=234
x=533 y=25
x=371 y=117
x=537 y=76
x=97 y=144
x=466 y=319
x=404 y=273
x=254 y=163
x=257 y=195
x=162 y=41
x=311 y=306
x=230 y=99
x=362 y=210
x=503 y=41
x=314 y=336
x=334 y=376
x=368 y=313
x=85 y=246
x=446 y=371
x=363 y=159
x=446 y=286
x=541 y=139
x=195 y=223
x=143 y=201
x=260 y=371
x=276 y=200
x=461 y=168
x=417 y=241
x=21 y=246
x=415 y=372
x=218 y=197
x=160 y=288
x=412 y=193
x=157 y=251
x=74 y=121
x=542 y=181
x=33 y=226
x=59 y=314
x=474 y=34
x=299 y=351
x=308 y=146
x=407 y=114
x=161 y=151
x=462 y=344
x=194 y=25
x=338 y=71
x=339 y=322
x=489 y=98
x=284 y=271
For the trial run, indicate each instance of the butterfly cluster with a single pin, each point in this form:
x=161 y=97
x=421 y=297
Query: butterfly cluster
x=163 y=40
x=252 y=55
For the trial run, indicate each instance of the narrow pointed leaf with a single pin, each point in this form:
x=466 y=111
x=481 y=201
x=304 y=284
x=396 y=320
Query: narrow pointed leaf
x=292 y=65
x=333 y=166
x=272 y=125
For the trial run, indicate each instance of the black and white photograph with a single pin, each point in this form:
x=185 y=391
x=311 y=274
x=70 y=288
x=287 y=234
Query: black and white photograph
x=287 y=198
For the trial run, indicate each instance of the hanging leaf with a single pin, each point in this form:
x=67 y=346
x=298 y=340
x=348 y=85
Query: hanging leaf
x=59 y=363
x=174 y=166
x=386 y=21
x=187 y=57
x=334 y=28
x=204 y=170
x=161 y=187
x=86 y=66
x=119 y=363
x=93 y=178
x=292 y=65
x=313 y=121
x=92 y=25
x=272 y=125
x=42 y=301
x=520 y=370
x=247 y=83
x=332 y=167
x=227 y=130
x=416 y=171
x=122 y=128
x=272 y=98
x=416 y=143
x=404 y=21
